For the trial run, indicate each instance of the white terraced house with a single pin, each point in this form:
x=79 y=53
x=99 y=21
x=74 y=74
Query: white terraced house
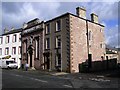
x=10 y=44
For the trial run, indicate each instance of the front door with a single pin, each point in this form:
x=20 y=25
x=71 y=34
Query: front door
x=30 y=60
x=48 y=63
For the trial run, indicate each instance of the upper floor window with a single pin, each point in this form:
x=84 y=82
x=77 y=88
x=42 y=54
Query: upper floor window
x=102 y=45
x=7 y=39
x=100 y=29
x=58 y=25
x=47 y=43
x=6 y=50
x=19 y=38
x=1 y=40
x=37 y=47
x=14 y=50
x=47 y=31
x=58 y=42
x=19 y=50
x=90 y=35
x=0 y=51
x=14 y=38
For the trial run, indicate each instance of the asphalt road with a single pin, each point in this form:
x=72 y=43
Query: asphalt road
x=31 y=79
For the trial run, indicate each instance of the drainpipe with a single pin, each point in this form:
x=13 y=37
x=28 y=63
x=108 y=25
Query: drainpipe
x=87 y=37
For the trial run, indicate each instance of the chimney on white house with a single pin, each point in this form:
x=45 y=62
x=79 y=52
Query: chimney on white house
x=12 y=28
x=81 y=12
x=24 y=25
x=6 y=30
x=94 y=18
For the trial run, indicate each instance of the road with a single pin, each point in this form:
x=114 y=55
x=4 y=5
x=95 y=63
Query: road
x=33 y=79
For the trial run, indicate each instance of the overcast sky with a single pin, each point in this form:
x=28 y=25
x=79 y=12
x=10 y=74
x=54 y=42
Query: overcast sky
x=14 y=14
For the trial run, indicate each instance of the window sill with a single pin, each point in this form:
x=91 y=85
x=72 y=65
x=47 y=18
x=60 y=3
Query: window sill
x=57 y=31
x=47 y=49
x=47 y=34
x=58 y=48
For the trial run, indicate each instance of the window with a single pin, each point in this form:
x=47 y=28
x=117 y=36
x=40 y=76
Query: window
x=7 y=39
x=0 y=51
x=58 y=60
x=58 y=42
x=25 y=46
x=19 y=50
x=14 y=38
x=90 y=35
x=37 y=47
x=101 y=46
x=100 y=29
x=1 y=40
x=47 y=29
x=58 y=25
x=6 y=51
x=19 y=38
x=47 y=43
x=14 y=50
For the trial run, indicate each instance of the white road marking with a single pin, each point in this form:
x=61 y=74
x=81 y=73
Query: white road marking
x=30 y=78
x=39 y=80
x=100 y=76
x=18 y=75
x=67 y=86
x=99 y=80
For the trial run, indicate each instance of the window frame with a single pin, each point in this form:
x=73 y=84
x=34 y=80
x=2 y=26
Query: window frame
x=37 y=47
x=1 y=40
x=47 y=43
x=0 y=51
x=13 y=50
x=19 y=50
x=57 y=60
x=7 y=52
x=7 y=39
x=57 y=42
x=58 y=25
x=47 y=29
x=14 y=38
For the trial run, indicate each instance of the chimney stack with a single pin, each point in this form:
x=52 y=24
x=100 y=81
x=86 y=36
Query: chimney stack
x=6 y=30
x=94 y=18
x=12 y=28
x=81 y=12
x=24 y=25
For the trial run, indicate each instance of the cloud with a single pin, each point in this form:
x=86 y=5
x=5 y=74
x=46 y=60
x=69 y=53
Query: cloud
x=104 y=10
x=14 y=14
x=112 y=35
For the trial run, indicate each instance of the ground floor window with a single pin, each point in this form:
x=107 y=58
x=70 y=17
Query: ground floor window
x=58 y=60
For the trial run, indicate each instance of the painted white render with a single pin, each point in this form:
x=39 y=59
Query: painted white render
x=10 y=45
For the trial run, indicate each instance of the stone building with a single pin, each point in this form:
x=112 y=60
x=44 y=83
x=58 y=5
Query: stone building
x=68 y=40
x=32 y=43
x=72 y=39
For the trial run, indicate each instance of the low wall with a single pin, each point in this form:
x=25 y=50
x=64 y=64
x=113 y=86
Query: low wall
x=99 y=65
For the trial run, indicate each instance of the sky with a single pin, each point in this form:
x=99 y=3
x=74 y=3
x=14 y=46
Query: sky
x=14 y=14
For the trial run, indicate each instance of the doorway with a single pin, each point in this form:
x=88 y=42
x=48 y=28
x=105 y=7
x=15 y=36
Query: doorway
x=30 y=60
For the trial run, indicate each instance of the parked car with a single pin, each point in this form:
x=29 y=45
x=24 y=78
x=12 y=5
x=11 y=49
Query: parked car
x=8 y=63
